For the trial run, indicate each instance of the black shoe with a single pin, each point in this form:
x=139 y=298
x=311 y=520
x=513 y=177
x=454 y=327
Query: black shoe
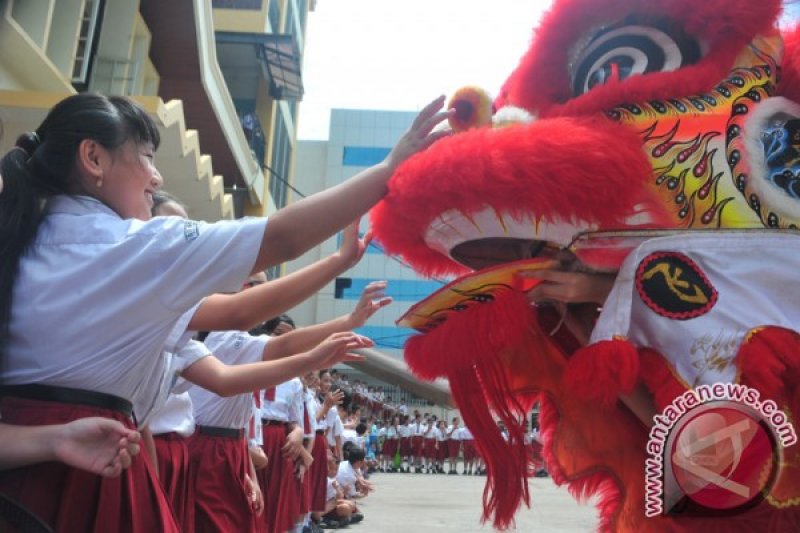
x=452 y=473
x=330 y=523
x=355 y=518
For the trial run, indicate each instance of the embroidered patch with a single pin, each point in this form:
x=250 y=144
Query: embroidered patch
x=673 y=286
x=190 y=230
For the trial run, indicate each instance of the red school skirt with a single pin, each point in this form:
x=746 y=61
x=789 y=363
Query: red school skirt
x=221 y=460
x=177 y=476
x=319 y=472
x=429 y=448
x=469 y=449
x=69 y=499
x=441 y=450
x=389 y=447
x=279 y=484
x=452 y=447
x=405 y=446
x=416 y=445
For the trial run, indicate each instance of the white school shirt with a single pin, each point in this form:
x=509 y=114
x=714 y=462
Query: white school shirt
x=440 y=435
x=311 y=406
x=347 y=478
x=391 y=433
x=177 y=415
x=109 y=291
x=255 y=434
x=232 y=348
x=288 y=404
x=454 y=435
x=335 y=427
x=330 y=490
x=171 y=410
x=403 y=431
x=466 y=434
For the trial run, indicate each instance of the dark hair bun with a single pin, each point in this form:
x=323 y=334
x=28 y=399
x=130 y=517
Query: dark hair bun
x=29 y=142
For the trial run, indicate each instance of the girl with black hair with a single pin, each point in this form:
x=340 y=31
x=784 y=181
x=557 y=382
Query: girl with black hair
x=71 y=246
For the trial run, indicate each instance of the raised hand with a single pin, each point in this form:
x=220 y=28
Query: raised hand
x=332 y=399
x=352 y=248
x=420 y=135
x=372 y=298
x=336 y=348
x=100 y=445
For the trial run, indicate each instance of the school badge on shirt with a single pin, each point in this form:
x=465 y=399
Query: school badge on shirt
x=673 y=286
x=190 y=230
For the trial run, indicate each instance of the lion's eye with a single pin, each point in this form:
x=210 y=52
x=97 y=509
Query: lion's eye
x=622 y=52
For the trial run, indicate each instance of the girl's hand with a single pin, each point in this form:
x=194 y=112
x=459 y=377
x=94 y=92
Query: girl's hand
x=353 y=247
x=419 y=135
x=100 y=445
x=332 y=399
x=372 y=299
x=254 y=496
x=336 y=348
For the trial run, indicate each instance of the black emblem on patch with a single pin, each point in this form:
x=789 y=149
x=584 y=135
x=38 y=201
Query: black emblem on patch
x=673 y=286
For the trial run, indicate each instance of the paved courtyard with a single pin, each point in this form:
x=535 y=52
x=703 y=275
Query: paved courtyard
x=417 y=503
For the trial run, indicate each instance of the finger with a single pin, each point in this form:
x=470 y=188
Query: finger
x=383 y=302
x=427 y=127
x=124 y=458
x=430 y=109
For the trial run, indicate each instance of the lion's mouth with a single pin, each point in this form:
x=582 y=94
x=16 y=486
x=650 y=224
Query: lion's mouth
x=478 y=254
x=490 y=237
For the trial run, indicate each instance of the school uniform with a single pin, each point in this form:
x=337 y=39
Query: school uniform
x=314 y=480
x=453 y=442
x=219 y=449
x=468 y=443
x=172 y=427
x=429 y=443
x=390 y=442
x=441 y=445
x=109 y=293
x=346 y=477
x=417 y=429
x=280 y=406
x=404 y=432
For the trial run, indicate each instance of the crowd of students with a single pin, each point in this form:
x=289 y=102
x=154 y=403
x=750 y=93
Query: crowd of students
x=124 y=327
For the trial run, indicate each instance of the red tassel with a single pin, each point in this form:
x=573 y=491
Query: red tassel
x=477 y=350
x=601 y=371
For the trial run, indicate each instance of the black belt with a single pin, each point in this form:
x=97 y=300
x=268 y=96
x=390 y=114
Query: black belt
x=51 y=393
x=212 y=431
x=320 y=432
x=265 y=422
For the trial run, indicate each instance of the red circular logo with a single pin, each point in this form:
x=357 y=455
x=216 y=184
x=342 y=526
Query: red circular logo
x=723 y=456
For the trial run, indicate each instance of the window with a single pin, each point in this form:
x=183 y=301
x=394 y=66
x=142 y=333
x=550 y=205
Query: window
x=280 y=163
x=237 y=4
x=274 y=16
x=86 y=41
x=363 y=156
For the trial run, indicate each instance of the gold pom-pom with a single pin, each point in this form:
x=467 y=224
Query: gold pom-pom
x=473 y=109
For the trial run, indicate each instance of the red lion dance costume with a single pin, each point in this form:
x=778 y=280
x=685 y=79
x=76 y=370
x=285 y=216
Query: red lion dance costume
x=655 y=139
